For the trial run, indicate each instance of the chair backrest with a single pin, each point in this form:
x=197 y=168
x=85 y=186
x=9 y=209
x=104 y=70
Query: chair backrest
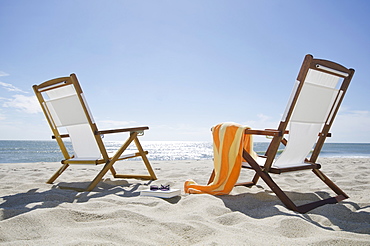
x=315 y=100
x=65 y=108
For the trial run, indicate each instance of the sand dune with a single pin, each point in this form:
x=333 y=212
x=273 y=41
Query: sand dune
x=35 y=213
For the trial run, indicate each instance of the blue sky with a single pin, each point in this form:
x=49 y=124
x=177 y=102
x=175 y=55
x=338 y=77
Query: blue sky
x=179 y=67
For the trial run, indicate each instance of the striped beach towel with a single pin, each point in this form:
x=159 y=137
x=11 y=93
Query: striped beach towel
x=228 y=143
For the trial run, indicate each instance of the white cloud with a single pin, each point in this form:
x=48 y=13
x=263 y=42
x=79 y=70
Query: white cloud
x=10 y=87
x=27 y=104
x=3 y=74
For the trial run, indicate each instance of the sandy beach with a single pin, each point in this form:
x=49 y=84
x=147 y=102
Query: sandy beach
x=35 y=213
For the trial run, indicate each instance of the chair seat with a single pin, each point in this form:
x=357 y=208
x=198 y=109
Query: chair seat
x=97 y=160
x=279 y=169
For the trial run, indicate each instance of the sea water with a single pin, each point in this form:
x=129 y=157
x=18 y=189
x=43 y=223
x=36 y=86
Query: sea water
x=17 y=151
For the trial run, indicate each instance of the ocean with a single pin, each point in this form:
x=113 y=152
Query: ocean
x=17 y=151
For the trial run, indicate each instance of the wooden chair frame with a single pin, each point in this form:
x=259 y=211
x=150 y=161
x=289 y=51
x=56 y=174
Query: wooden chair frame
x=108 y=162
x=263 y=171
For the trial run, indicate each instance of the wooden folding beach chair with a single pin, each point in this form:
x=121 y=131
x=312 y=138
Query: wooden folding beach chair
x=65 y=108
x=313 y=105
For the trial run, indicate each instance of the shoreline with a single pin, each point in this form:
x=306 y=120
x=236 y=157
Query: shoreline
x=48 y=151
x=364 y=158
x=35 y=213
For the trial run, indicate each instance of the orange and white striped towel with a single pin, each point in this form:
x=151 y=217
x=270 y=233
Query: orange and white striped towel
x=228 y=143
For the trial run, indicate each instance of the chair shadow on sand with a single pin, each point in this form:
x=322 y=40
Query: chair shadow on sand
x=344 y=217
x=33 y=199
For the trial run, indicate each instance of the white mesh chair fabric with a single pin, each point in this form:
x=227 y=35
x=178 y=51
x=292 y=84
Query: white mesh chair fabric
x=66 y=111
x=311 y=111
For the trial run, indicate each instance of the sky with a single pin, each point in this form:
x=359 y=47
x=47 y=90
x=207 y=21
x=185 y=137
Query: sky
x=179 y=67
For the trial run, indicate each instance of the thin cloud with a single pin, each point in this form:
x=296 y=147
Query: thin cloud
x=26 y=104
x=3 y=74
x=10 y=87
x=2 y=117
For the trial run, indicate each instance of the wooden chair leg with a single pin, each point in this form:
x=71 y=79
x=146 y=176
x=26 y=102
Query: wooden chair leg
x=109 y=165
x=289 y=203
x=57 y=173
x=286 y=200
x=250 y=183
x=255 y=178
x=145 y=159
x=100 y=175
x=270 y=182
x=330 y=183
x=279 y=192
x=113 y=171
x=212 y=177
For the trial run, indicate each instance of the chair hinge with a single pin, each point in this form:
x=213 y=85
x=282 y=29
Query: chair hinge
x=139 y=133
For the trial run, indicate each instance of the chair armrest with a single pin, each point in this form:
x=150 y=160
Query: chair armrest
x=131 y=129
x=266 y=132
x=62 y=136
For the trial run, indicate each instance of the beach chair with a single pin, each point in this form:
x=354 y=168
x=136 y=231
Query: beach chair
x=65 y=108
x=312 y=107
